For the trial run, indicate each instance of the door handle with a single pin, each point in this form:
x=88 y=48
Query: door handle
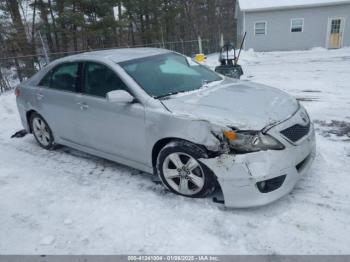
x=83 y=105
x=39 y=96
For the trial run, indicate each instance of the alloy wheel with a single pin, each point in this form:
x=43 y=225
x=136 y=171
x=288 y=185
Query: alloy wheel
x=41 y=131
x=183 y=173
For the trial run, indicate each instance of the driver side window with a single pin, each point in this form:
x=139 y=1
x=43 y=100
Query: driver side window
x=99 y=80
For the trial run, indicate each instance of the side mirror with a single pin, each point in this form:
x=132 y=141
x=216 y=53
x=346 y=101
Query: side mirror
x=120 y=96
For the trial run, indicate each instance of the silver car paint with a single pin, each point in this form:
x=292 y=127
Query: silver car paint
x=127 y=133
x=230 y=103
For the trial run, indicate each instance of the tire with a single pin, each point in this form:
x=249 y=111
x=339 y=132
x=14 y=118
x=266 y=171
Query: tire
x=41 y=131
x=182 y=173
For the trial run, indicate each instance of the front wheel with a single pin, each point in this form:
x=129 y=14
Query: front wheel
x=182 y=173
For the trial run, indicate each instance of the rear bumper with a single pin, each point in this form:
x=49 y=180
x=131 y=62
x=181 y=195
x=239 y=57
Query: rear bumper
x=22 y=113
x=238 y=175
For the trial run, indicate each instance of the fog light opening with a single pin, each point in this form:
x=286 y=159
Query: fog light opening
x=262 y=185
x=272 y=184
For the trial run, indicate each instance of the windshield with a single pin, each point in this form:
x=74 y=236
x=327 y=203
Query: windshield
x=167 y=74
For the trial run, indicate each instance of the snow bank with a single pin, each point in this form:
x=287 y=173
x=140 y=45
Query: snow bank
x=65 y=201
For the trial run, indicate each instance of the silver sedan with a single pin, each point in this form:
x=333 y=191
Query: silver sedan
x=162 y=113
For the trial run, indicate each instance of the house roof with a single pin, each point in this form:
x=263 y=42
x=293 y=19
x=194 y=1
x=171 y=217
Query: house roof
x=261 y=5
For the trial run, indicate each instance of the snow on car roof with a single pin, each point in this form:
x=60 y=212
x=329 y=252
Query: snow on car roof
x=120 y=55
x=257 y=5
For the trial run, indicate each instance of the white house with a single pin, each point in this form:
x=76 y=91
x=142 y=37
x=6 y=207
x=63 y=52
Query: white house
x=293 y=24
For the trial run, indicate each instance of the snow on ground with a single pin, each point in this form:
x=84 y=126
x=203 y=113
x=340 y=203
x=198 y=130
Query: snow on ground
x=65 y=201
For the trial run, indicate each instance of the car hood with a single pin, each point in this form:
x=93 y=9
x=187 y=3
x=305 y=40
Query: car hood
x=241 y=104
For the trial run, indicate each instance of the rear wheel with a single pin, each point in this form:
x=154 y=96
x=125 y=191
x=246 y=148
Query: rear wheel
x=182 y=173
x=41 y=131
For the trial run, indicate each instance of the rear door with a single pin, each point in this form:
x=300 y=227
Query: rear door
x=57 y=100
x=112 y=128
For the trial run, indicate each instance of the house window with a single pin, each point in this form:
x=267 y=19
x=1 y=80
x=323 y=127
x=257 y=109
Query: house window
x=260 y=28
x=297 y=25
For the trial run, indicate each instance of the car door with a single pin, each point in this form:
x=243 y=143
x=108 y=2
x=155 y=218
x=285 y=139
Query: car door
x=110 y=127
x=57 y=100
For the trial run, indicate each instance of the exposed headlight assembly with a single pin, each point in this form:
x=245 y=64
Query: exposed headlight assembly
x=251 y=141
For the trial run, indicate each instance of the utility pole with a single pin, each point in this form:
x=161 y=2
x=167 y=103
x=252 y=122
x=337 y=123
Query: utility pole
x=161 y=30
x=221 y=40
x=200 y=45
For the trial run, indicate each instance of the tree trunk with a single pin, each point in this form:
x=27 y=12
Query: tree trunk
x=33 y=34
x=62 y=25
x=21 y=38
x=58 y=48
x=75 y=41
x=43 y=16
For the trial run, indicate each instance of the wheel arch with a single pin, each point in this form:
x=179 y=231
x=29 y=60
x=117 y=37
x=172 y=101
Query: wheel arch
x=160 y=144
x=29 y=113
x=164 y=141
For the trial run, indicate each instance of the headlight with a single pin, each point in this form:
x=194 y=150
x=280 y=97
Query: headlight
x=251 y=141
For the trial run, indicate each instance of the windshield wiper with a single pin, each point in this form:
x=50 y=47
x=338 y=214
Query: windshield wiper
x=170 y=94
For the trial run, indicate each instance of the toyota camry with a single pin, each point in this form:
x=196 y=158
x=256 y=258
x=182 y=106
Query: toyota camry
x=160 y=112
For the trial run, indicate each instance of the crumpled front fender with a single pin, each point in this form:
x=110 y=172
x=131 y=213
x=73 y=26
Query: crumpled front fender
x=238 y=174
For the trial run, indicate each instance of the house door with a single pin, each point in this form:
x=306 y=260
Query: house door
x=335 y=29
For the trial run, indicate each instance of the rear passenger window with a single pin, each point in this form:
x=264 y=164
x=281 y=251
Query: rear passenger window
x=65 y=77
x=46 y=80
x=99 y=80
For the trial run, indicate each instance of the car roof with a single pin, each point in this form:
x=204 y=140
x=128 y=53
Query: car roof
x=117 y=55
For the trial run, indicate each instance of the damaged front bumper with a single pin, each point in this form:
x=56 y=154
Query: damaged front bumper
x=240 y=176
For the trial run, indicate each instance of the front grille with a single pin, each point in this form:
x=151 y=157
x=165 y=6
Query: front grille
x=296 y=132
